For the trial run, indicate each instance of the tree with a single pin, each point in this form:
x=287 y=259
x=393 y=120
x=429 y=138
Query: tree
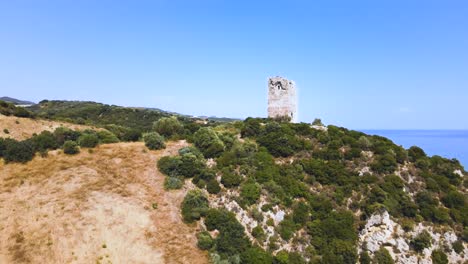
x=382 y=256
x=168 y=126
x=317 y=122
x=154 y=141
x=208 y=142
x=70 y=147
x=194 y=206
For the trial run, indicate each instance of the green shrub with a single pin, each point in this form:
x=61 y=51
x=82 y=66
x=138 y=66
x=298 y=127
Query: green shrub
x=6 y=131
x=70 y=147
x=169 y=165
x=213 y=186
x=439 y=257
x=107 y=137
x=230 y=179
x=208 y=142
x=168 y=126
x=258 y=233
x=232 y=239
x=18 y=151
x=63 y=134
x=205 y=241
x=154 y=141
x=194 y=206
x=416 y=153
x=458 y=246
x=256 y=255
x=2 y=146
x=191 y=165
x=286 y=228
x=382 y=256
x=364 y=258
x=88 y=140
x=173 y=183
x=250 y=192
x=44 y=141
x=421 y=241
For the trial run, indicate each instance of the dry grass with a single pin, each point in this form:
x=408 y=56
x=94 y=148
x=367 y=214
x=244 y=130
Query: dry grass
x=93 y=208
x=23 y=128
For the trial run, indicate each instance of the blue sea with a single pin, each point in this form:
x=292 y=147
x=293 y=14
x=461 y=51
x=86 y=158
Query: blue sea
x=446 y=143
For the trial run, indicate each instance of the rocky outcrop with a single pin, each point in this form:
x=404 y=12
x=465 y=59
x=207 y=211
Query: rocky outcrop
x=381 y=231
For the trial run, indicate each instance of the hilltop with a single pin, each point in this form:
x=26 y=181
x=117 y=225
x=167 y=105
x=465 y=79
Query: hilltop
x=252 y=191
x=16 y=101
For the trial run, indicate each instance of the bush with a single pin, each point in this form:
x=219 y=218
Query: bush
x=208 y=142
x=169 y=165
x=194 y=206
x=286 y=228
x=63 y=134
x=258 y=233
x=416 y=153
x=107 y=137
x=154 y=141
x=88 y=140
x=205 y=241
x=256 y=255
x=458 y=246
x=168 y=126
x=439 y=257
x=230 y=179
x=191 y=165
x=44 y=141
x=364 y=258
x=18 y=151
x=250 y=192
x=213 y=186
x=70 y=147
x=421 y=241
x=2 y=146
x=173 y=183
x=382 y=256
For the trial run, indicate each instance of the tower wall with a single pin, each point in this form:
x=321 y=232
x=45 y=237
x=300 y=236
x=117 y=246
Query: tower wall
x=282 y=98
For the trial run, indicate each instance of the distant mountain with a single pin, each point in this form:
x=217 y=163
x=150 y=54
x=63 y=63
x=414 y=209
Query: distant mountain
x=16 y=101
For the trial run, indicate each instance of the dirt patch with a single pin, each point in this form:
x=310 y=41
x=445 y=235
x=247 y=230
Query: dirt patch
x=108 y=206
x=22 y=128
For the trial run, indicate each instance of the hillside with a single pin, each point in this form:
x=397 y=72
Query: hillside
x=21 y=128
x=253 y=191
x=15 y=101
x=105 y=206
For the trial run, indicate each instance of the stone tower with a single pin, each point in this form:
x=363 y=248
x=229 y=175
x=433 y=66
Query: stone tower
x=282 y=98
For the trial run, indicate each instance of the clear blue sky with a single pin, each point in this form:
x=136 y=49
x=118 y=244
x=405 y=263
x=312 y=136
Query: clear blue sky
x=359 y=64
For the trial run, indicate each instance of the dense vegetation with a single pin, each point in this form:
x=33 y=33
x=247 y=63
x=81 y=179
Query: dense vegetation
x=10 y=109
x=127 y=123
x=318 y=177
x=70 y=141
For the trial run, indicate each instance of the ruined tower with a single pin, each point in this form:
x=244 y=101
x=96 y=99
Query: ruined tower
x=282 y=98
